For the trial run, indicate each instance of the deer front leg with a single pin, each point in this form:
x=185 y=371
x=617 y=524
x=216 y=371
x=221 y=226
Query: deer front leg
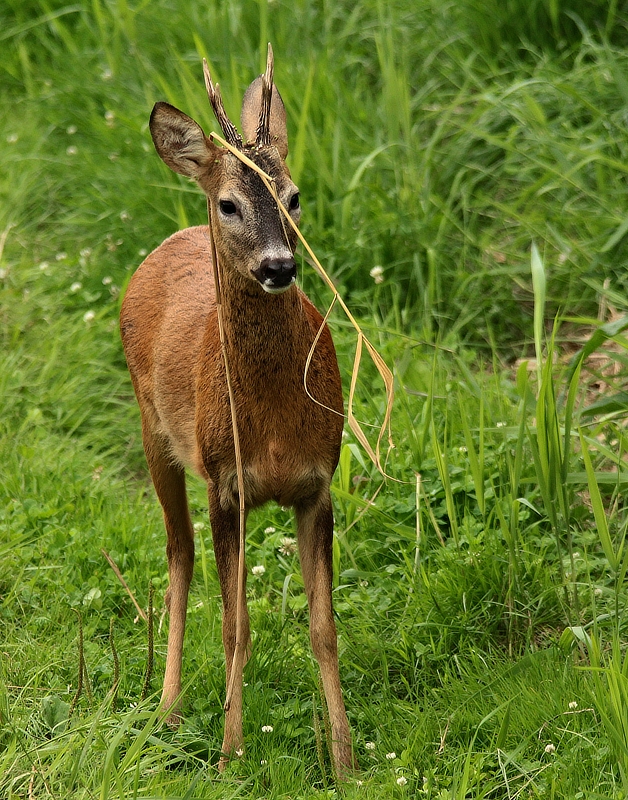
x=169 y=482
x=315 y=524
x=226 y=538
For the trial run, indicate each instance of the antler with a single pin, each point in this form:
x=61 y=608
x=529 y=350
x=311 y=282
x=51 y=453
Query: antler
x=215 y=98
x=262 y=134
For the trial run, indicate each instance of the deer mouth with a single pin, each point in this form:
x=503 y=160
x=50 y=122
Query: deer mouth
x=275 y=275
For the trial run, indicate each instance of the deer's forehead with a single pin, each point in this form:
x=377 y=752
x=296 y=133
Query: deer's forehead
x=240 y=177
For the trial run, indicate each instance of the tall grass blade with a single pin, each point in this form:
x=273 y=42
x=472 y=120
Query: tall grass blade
x=539 y=288
x=601 y=522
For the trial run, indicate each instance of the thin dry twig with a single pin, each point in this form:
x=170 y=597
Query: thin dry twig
x=238 y=653
x=380 y=364
x=125 y=585
x=150 y=646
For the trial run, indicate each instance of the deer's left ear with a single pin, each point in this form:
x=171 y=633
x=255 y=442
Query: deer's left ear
x=251 y=107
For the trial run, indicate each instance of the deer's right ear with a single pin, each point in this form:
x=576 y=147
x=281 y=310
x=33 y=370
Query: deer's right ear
x=179 y=140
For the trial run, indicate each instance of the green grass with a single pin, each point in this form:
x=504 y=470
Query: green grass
x=481 y=162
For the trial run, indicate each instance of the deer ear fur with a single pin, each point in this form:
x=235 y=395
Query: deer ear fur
x=251 y=106
x=179 y=141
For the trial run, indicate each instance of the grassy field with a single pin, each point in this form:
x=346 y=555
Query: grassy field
x=476 y=153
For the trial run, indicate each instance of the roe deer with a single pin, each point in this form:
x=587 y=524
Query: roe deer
x=289 y=444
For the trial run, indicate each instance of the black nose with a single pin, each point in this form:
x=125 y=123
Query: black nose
x=276 y=273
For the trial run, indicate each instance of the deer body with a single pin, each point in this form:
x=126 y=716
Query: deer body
x=289 y=444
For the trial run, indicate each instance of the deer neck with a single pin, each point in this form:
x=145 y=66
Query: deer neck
x=262 y=330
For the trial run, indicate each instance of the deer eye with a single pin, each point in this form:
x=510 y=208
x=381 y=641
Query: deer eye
x=227 y=207
x=294 y=202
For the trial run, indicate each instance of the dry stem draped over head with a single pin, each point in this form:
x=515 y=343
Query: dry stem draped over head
x=383 y=369
x=233 y=141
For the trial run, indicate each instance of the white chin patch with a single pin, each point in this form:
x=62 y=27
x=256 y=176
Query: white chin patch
x=267 y=286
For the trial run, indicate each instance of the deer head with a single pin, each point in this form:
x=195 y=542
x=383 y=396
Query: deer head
x=250 y=234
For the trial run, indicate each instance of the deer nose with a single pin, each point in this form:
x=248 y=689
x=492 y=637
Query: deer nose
x=276 y=274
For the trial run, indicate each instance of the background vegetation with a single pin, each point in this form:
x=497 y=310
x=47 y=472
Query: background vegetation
x=480 y=599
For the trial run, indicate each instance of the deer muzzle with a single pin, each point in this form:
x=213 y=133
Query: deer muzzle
x=276 y=274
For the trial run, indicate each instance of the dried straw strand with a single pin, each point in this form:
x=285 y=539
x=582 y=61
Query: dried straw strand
x=238 y=654
x=380 y=364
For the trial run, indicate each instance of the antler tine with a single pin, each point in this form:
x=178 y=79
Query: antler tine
x=263 y=126
x=215 y=98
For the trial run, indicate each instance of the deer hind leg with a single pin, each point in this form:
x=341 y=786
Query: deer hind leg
x=315 y=524
x=226 y=538
x=169 y=481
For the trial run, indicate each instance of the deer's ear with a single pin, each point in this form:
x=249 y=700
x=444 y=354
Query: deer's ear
x=180 y=141
x=251 y=107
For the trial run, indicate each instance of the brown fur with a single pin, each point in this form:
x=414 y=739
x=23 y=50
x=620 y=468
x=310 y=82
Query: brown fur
x=289 y=444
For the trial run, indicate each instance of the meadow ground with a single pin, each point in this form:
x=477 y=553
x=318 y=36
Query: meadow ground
x=463 y=170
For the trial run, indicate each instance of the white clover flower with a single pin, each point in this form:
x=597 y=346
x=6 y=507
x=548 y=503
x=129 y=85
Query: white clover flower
x=61 y=256
x=401 y=780
x=124 y=216
x=76 y=286
x=198 y=526
x=390 y=756
x=114 y=156
x=550 y=748
x=270 y=529
x=288 y=546
x=86 y=252
x=573 y=705
x=369 y=745
x=107 y=280
x=500 y=424
x=267 y=728
x=12 y=138
x=258 y=571
x=110 y=118
x=106 y=75
x=377 y=273
x=71 y=130
x=44 y=265
x=88 y=316
x=240 y=752
x=71 y=150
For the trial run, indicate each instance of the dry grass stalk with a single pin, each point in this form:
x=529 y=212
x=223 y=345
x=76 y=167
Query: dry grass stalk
x=240 y=646
x=125 y=585
x=380 y=364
